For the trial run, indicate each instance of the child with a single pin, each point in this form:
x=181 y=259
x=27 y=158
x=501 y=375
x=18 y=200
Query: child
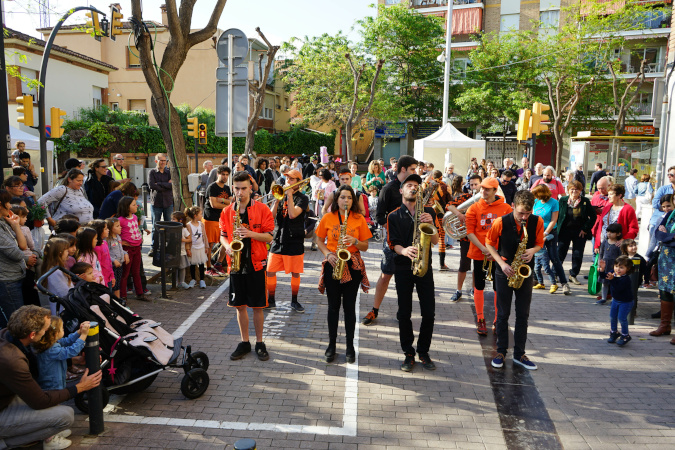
x=184 y=253
x=667 y=205
x=629 y=248
x=84 y=271
x=609 y=251
x=372 y=201
x=199 y=244
x=117 y=254
x=131 y=243
x=103 y=251
x=30 y=294
x=69 y=226
x=87 y=239
x=58 y=283
x=622 y=297
x=72 y=248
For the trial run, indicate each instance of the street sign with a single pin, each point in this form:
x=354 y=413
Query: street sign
x=239 y=73
x=240 y=47
x=240 y=107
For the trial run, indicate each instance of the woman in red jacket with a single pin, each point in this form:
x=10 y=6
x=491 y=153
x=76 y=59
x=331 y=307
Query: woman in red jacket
x=616 y=211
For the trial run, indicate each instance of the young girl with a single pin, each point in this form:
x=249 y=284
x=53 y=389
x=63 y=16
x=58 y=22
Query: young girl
x=131 y=243
x=58 y=283
x=103 y=251
x=622 y=297
x=117 y=254
x=184 y=253
x=372 y=201
x=629 y=248
x=609 y=251
x=72 y=248
x=542 y=261
x=199 y=244
x=87 y=239
x=30 y=293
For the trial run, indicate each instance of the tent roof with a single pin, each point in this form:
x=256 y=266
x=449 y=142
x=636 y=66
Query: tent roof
x=32 y=142
x=449 y=137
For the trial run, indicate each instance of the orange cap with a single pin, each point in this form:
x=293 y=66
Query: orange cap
x=295 y=173
x=490 y=183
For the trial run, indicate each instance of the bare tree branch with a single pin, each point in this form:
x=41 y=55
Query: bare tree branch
x=210 y=28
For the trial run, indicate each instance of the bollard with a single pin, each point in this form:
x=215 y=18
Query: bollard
x=92 y=359
x=162 y=256
x=245 y=444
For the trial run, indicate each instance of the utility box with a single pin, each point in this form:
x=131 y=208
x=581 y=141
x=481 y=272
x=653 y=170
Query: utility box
x=137 y=174
x=193 y=181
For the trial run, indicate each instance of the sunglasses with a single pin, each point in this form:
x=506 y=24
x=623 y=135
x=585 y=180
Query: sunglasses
x=671 y=174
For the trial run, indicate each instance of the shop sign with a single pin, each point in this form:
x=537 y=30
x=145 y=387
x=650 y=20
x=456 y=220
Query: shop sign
x=640 y=130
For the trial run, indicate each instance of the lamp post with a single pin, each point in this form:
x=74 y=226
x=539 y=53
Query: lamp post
x=445 y=57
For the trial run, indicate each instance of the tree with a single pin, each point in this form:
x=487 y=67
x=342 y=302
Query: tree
x=409 y=42
x=161 y=78
x=256 y=89
x=334 y=83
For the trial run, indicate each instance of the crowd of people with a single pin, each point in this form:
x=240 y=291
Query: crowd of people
x=248 y=229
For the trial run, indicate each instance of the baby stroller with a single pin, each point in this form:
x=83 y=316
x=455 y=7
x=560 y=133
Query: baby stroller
x=133 y=350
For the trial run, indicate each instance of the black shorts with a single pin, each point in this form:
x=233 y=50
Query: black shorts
x=479 y=274
x=464 y=260
x=248 y=290
x=387 y=264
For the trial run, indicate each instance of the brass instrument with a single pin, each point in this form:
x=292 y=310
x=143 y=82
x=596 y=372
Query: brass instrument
x=320 y=193
x=487 y=268
x=342 y=253
x=280 y=191
x=452 y=225
x=237 y=245
x=422 y=233
x=521 y=269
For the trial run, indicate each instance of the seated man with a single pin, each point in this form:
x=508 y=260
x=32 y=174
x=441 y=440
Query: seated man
x=27 y=413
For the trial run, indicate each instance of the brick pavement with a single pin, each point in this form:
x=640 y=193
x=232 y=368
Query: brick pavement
x=596 y=394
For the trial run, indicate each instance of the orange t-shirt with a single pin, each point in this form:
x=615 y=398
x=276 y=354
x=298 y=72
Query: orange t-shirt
x=495 y=232
x=479 y=220
x=330 y=226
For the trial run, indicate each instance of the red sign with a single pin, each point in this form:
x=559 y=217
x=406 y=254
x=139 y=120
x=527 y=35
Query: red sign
x=641 y=130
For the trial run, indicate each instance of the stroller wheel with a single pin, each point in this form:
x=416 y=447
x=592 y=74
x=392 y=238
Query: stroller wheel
x=82 y=399
x=197 y=360
x=194 y=383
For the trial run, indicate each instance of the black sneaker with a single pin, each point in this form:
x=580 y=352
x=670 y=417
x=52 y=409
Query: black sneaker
x=271 y=303
x=242 y=349
x=330 y=354
x=370 y=318
x=623 y=340
x=408 y=363
x=350 y=355
x=297 y=307
x=426 y=362
x=613 y=336
x=261 y=351
x=456 y=296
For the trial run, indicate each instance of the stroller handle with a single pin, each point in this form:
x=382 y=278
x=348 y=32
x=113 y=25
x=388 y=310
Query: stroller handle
x=42 y=279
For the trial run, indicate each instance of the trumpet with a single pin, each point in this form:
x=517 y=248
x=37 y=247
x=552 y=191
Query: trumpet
x=487 y=268
x=280 y=191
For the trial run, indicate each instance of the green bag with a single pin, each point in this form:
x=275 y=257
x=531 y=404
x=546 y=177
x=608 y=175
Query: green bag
x=594 y=281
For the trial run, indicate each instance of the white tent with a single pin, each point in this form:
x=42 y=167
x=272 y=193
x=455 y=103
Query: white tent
x=448 y=145
x=32 y=142
x=33 y=148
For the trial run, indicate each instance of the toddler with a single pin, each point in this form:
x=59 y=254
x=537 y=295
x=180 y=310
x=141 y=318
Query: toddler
x=103 y=251
x=622 y=298
x=117 y=254
x=629 y=248
x=199 y=244
x=87 y=239
x=609 y=251
x=184 y=252
x=84 y=271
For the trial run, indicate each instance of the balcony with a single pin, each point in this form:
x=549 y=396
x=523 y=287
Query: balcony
x=641 y=109
x=437 y=3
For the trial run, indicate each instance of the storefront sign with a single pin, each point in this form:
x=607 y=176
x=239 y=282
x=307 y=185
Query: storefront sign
x=391 y=130
x=639 y=130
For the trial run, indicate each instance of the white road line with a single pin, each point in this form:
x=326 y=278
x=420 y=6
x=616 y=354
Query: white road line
x=350 y=409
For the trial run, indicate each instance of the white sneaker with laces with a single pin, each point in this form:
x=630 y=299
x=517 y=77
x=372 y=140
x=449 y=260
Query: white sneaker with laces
x=64 y=434
x=192 y=283
x=202 y=284
x=184 y=285
x=56 y=443
x=566 y=289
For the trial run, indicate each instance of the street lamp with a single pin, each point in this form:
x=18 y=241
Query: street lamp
x=445 y=57
x=105 y=25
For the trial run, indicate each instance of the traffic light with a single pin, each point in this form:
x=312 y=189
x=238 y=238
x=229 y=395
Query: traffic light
x=57 y=122
x=193 y=123
x=524 y=125
x=93 y=25
x=202 y=134
x=537 y=127
x=115 y=21
x=26 y=107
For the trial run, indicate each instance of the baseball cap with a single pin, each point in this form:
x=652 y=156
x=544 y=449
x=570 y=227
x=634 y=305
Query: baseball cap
x=412 y=177
x=294 y=174
x=490 y=183
x=72 y=163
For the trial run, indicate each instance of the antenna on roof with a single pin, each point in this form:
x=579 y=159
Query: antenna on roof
x=44 y=13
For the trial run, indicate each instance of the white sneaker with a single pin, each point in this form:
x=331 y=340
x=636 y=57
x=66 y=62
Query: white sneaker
x=56 y=443
x=192 y=284
x=184 y=285
x=202 y=284
x=566 y=289
x=575 y=281
x=64 y=434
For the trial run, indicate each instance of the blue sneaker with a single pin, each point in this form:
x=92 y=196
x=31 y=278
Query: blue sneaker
x=623 y=340
x=613 y=336
x=525 y=362
x=498 y=361
x=601 y=302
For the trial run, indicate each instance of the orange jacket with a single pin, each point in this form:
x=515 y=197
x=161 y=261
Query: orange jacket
x=260 y=220
x=479 y=219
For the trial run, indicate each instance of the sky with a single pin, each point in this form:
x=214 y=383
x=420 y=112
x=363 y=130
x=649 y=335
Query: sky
x=279 y=20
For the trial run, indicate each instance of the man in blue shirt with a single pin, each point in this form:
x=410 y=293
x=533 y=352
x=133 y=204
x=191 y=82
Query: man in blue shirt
x=657 y=213
x=631 y=188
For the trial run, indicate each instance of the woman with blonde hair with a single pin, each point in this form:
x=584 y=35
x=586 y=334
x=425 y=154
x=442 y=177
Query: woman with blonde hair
x=375 y=176
x=645 y=193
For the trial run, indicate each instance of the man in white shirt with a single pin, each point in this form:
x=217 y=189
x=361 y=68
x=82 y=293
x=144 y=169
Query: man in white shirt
x=631 y=188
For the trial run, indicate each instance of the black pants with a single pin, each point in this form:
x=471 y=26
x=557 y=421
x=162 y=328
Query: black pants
x=345 y=294
x=504 y=299
x=405 y=283
x=566 y=238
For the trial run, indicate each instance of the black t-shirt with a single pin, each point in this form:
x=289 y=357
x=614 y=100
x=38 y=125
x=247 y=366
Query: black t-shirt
x=400 y=226
x=211 y=213
x=289 y=234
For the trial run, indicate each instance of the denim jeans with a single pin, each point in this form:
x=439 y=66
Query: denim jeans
x=551 y=247
x=157 y=214
x=619 y=311
x=20 y=424
x=578 y=246
x=11 y=299
x=543 y=262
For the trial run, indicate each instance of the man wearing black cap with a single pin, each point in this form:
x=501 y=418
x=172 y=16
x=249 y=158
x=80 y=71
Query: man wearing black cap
x=401 y=227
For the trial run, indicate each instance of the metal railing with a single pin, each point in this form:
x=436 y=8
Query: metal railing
x=434 y=3
x=641 y=109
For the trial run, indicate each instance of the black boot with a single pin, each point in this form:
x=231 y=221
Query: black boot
x=330 y=352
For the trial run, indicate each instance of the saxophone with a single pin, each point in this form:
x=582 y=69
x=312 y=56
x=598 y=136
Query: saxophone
x=342 y=253
x=237 y=245
x=521 y=269
x=422 y=234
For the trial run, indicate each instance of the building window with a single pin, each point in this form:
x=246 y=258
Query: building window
x=137 y=105
x=25 y=89
x=115 y=106
x=97 y=97
x=132 y=55
x=510 y=22
x=392 y=2
x=460 y=66
x=550 y=21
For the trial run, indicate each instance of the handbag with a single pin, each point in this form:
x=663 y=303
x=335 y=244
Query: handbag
x=594 y=281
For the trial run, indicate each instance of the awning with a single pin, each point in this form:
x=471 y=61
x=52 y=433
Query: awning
x=465 y=21
x=463 y=49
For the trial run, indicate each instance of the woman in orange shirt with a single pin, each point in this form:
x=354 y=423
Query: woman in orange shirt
x=344 y=290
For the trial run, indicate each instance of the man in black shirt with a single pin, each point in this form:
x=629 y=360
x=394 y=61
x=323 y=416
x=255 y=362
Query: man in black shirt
x=218 y=196
x=508 y=187
x=401 y=228
x=597 y=175
x=390 y=199
x=287 y=252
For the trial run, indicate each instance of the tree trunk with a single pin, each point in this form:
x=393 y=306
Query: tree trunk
x=348 y=141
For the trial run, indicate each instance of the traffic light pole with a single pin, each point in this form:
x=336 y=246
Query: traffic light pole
x=534 y=147
x=41 y=92
x=4 y=113
x=196 y=154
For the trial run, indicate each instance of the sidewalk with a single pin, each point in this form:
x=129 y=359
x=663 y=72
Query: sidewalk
x=586 y=393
